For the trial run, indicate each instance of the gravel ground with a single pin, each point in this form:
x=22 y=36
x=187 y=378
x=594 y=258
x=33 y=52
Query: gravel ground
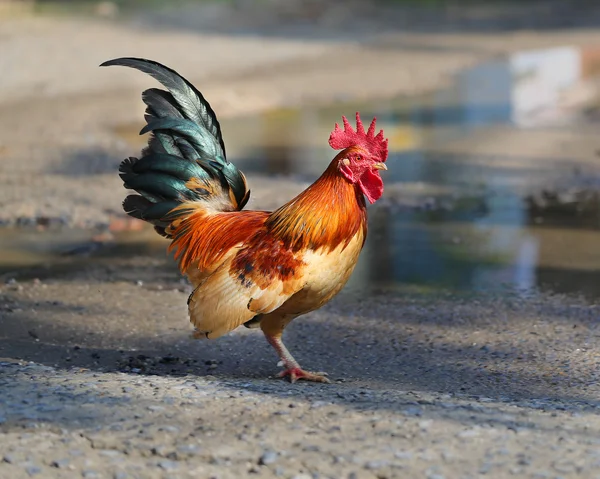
x=110 y=385
x=79 y=423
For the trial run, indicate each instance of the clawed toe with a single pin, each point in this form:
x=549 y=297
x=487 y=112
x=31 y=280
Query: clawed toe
x=297 y=373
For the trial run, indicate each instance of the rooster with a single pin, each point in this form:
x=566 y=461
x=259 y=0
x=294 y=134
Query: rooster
x=253 y=268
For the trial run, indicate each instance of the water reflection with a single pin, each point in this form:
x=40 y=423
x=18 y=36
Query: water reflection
x=489 y=236
x=475 y=229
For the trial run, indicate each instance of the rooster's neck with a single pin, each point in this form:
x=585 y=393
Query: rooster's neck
x=328 y=213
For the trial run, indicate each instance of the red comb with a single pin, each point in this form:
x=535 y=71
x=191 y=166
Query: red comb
x=375 y=144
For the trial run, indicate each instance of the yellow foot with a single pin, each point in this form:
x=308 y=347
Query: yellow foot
x=297 y=373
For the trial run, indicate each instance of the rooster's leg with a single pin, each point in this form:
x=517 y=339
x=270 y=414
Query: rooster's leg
x=292 y=368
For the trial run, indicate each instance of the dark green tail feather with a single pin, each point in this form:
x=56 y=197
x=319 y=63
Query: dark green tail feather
x=160 y=104
x=191 y=102
x=185 y=144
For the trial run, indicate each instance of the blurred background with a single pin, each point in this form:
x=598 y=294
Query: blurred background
x=491 y=107
x=479 y=281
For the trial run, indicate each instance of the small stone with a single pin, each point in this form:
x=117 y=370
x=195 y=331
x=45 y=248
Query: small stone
x=33 y=470
x=168 y=465
x=403 y=455
x=424 y=425
x=373 y=465
x=121 y=475
x=173 y=429
x=468 y=433
x=89 y=474
x=187 y=450
x=60 y=463
x=109 y=453
x=412 y=411
x=49 y=408
x=269 y=457
x=523 y=460
x=564 y=467
x=162 y=450
x=9 y=459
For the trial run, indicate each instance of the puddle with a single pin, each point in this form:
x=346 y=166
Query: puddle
x=476 y=228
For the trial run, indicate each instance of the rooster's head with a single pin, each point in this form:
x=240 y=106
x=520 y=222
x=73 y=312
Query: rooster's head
x=363 y=156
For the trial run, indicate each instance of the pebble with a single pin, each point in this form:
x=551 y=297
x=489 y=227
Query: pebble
x=162 y=450
x=156 y=408
x=49 y=408
x=268 y=457
x=187 y=450
x=172 y=429
x=412 y=411
x=373 y=465
x=168 y=465
x=467 y=433
x=60 y=463
x=33 y=470
x=564 y=467
x=109 y=453
x=403 y=455
x=424 y=425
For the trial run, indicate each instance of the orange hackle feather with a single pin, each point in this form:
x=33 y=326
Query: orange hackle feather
x=328 y=213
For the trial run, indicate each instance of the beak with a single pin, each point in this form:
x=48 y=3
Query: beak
x=380 y=166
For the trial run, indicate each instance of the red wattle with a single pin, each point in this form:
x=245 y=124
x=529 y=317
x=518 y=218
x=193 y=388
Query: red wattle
x=371 y=185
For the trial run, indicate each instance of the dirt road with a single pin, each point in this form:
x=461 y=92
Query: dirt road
x=423 y=385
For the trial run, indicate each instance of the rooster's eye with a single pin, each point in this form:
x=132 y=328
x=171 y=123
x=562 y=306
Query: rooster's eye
x=358 y=158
